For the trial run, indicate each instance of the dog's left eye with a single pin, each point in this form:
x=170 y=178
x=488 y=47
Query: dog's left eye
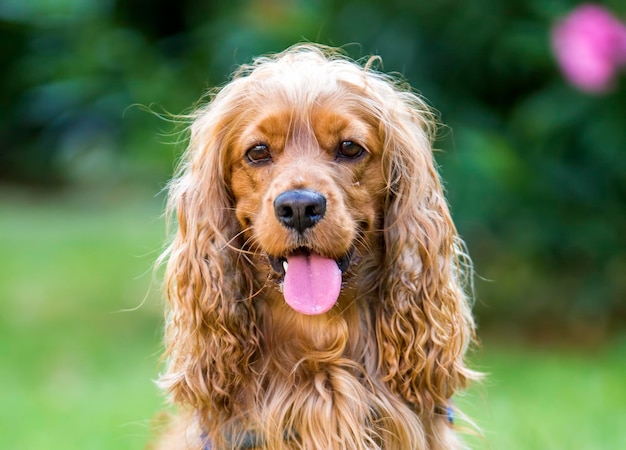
x=259 y=153
x=349 y=149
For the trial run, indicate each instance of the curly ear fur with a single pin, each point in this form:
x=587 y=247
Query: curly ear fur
x=211 y=333
x=424 y=324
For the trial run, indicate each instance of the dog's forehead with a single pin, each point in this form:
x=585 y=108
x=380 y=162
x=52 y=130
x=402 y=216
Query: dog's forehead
x=324 y=126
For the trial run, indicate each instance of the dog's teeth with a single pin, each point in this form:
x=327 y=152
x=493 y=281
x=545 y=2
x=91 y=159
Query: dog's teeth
x=285 y=265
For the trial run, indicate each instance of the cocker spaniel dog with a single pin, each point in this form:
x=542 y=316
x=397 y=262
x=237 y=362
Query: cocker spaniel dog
x=316 y=280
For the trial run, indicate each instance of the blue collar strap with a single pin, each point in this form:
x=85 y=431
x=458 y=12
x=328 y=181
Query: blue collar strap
x=450 y=414
x=448 y=411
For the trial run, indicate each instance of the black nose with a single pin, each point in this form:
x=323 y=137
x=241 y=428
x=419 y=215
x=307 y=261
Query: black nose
x=300 y=209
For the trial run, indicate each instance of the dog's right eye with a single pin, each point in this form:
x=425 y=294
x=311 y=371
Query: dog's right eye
x=350 y=150
x=259 y=153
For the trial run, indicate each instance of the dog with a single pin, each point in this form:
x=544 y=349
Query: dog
x=317 y=287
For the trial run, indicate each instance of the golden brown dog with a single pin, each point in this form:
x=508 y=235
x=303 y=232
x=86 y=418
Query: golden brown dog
x=315 y=281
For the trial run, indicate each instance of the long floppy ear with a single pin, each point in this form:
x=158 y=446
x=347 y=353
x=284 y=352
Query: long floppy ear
x=424 y=324
x=211 y=332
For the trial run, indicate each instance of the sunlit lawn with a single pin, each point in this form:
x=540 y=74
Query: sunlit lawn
x=551 y=399
x=76 y=368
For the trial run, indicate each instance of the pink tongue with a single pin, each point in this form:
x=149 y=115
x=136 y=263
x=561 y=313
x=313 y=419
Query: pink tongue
x=312 y=283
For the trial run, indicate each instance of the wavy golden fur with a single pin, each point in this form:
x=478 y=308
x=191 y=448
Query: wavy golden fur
x=378 y=370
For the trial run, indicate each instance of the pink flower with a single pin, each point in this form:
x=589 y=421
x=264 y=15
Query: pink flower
x=590 y=47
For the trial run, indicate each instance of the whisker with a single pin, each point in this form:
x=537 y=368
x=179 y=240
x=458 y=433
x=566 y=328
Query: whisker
x=235 y=248
x=363 y=241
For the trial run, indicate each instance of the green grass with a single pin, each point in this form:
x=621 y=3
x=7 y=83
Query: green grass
x=550 y=398
x=76 y=367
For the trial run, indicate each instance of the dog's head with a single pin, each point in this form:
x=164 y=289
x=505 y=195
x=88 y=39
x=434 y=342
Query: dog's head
x=314 y=173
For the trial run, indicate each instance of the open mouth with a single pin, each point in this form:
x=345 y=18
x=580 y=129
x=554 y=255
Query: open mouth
x=311 y=282
x=280 y=264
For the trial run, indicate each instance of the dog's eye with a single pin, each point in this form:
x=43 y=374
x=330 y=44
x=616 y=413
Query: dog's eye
x=349 y=149
x=259 y=153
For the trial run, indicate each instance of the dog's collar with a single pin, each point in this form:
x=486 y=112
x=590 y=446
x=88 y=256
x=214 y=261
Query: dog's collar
x=450 y=414
x=447 y=410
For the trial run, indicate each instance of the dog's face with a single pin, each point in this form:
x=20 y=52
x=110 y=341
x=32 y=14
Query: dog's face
x=308 y=189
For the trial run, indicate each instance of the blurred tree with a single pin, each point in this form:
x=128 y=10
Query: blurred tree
x=535 y=170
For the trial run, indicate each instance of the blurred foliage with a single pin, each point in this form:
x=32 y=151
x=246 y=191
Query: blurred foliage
x=535 y=170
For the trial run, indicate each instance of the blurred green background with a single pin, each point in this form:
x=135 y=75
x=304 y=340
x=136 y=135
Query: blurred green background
x=535 y=172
